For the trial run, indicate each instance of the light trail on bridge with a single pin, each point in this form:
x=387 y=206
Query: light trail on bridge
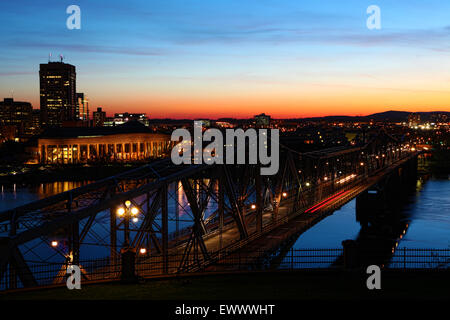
x=325 y=202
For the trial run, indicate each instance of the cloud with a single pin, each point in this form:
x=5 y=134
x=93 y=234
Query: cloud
x=19 y=73
x=136 y=51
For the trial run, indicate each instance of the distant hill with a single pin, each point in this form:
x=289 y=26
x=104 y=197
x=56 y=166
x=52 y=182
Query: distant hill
x=389 y=116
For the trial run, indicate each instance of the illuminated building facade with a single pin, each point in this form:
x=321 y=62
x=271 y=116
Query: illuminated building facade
x=57 y=93
x=131 y=142
x=121 y=118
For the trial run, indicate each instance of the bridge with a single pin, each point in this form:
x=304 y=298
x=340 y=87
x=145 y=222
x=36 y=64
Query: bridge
x=192 y=217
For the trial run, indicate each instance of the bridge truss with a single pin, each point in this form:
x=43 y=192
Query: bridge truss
x=195 y=213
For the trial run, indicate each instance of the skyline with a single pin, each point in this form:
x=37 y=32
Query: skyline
x=235 y=59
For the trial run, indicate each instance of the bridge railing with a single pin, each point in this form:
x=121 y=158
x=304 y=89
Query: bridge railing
x=53 y=274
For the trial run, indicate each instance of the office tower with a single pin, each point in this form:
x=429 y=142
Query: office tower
x=413 y=120
x=82 y=111
x=262 y=120
x=99 y=117
x=17 y=114
x=58 y=93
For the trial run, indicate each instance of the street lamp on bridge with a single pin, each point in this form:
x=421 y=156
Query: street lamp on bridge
x=128 y=254
x=128 y=212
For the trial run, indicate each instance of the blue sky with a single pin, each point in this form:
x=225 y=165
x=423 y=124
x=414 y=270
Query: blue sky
x=197 y=58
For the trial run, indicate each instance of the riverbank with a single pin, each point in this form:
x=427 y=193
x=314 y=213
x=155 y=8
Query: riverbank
x=280 y=285
x=36 y=174
x=437 y=163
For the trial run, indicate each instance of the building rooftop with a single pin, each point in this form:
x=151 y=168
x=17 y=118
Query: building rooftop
x=128 y=127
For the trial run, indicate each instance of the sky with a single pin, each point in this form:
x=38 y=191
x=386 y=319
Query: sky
x=234 y=58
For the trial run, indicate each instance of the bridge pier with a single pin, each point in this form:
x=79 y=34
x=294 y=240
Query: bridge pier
x=382 y=197
x=128 y=274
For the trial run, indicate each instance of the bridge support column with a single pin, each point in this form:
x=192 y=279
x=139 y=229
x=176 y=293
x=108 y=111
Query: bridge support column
x=75 y=243
x=128 y=274
x=259 y=203
x=221 y=209
x=350 y=254
x=113 y=237
x=165 y=230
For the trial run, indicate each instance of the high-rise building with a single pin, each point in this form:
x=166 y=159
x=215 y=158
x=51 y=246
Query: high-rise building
x=262 y=120
x=36 y=125
x=99 y=117
x=17 y=114
x=58 y=93
x=413 y=120
x=82 y=110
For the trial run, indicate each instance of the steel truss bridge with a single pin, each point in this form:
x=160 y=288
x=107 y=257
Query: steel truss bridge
x=190 y=217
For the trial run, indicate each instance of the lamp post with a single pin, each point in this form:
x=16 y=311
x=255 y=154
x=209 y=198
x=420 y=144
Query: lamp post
x=128 y=212
x=128 y=254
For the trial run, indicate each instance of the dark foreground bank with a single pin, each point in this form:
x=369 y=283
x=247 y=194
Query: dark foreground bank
x=292 y=285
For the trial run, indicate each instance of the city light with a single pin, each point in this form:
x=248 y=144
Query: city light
x=54 y=243
x=253 y=206
x=134 y=211
x=143 y=251
x=343 y=180
x=128 y=203
x=284 y=194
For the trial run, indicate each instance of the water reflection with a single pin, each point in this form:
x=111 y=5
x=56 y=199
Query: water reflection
x=425 y=214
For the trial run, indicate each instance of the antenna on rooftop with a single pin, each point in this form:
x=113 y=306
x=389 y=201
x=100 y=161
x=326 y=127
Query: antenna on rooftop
x=61 y=57
x=49 y=57
x=12 y=94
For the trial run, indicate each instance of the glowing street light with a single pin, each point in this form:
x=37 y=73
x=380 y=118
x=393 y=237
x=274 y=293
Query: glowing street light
x=143 y=251
x=253 y=206
x=128 y=212
x=284 y=194
x=54 y=244
x=120 y=212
